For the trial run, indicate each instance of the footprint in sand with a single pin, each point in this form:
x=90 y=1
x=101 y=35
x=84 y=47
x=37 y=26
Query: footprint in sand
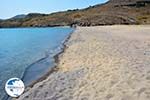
x=148 y=76
x=109 y=96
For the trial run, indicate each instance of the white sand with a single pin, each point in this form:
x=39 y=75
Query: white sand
x=100 y=63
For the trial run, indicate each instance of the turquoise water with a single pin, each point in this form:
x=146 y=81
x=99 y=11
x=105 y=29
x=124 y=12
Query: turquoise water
x=27 y=53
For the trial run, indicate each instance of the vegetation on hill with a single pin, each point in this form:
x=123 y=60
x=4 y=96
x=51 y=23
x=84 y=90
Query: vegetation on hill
x=19 y=16
x=112 y=12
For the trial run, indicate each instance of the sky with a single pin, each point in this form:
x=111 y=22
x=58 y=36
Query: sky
x=10 y=8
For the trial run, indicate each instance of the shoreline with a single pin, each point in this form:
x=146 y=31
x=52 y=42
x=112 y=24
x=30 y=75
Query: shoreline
x=100 y=63
x=51 y=69
x=56 y=61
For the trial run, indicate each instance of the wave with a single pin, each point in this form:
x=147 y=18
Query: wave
x=48 y=62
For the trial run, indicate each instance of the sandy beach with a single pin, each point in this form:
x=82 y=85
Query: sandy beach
x=100 y=63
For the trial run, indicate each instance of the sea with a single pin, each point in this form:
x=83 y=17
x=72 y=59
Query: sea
x=28 y=53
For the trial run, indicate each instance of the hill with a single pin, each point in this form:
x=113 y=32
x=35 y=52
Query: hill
x=19 y=16
x=109 y=13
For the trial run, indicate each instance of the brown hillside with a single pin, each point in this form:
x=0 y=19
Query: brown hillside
x=112 y=12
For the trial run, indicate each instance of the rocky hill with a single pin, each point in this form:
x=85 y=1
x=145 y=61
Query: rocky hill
x=109 y=13
x=19 y=16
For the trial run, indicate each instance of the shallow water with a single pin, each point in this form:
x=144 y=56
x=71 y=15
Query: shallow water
x=28 y=50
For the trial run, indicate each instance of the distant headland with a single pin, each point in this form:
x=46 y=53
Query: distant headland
x=110 y=13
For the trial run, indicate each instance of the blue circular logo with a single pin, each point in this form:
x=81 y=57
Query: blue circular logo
x=14 y=87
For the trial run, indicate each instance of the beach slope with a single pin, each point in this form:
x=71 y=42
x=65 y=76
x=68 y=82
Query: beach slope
x=100 y=63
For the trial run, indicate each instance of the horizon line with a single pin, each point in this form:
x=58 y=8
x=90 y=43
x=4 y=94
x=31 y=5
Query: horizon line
x=65 y=10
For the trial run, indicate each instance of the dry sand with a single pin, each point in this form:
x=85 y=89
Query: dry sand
x=100 y=63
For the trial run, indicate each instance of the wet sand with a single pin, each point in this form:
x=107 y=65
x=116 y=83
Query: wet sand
x=100 y=63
